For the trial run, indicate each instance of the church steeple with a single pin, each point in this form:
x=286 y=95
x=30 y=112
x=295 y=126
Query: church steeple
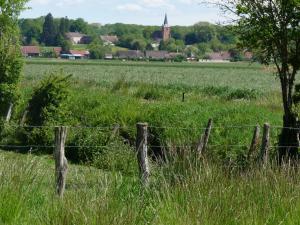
x=166 y=20
x=166 y=29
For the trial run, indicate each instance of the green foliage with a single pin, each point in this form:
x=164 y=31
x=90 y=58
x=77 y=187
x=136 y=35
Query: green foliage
x=66 y=46
x=172 y=45
x=46 y=107
x=148 y=92
x=134 y=37
x=47 y=101
x=10 y=72
x=97 y=50
x=124 y=93
x=31 y=29
x=10 y=55
x=79 y=25
x=49 y=35
x=230 y=93
x=48 y=53
x=64 y=26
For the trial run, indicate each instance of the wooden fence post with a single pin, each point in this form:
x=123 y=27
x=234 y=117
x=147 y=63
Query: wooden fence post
x=142 y=152
x=255 y=141
x=9 y=112
x=264 y=155
x=24 y=117
x=61 y=163
x=204 y=138
x=183 y=97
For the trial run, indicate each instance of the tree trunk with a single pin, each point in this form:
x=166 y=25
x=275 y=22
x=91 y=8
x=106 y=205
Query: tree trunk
x=289 y=138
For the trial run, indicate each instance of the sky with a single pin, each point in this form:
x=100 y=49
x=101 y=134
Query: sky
x=146 y=12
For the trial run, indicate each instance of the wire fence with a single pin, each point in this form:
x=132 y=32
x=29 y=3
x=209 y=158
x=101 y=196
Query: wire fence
x=220 y=126
x=164 y=146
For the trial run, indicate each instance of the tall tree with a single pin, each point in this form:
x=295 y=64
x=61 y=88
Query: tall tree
x=272 y=27
x=10 y=55
x=64 y=26
x=49 y=31
x=79 y=25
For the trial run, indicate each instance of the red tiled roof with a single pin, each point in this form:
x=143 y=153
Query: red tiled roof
x=156 y=54
x=57 y=50
x=30 y=50
x=130 y=54
x=220 y=56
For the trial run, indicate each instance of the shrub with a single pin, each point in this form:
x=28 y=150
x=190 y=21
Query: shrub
x=121 y=83
x=47 y=102
x=243 y=94
x=148 y=92
x=10 y=72
x=46 y=107
x=231 y=94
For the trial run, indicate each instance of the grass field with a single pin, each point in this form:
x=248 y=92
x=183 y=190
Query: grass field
x=174 y=75
x=237 y=96
x=199 y=195
x=129 y=92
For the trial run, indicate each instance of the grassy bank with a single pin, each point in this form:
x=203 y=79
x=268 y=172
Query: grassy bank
x=202 y=194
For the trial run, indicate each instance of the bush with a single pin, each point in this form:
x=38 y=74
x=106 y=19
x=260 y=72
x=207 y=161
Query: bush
x=46 y=107
x=148 y=93
x=231 y=94
x=243 y=94
x=10 y=72
x=120 y=84
x=47 y=102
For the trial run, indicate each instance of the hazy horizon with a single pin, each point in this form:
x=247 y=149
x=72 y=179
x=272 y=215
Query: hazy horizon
x=143 y=12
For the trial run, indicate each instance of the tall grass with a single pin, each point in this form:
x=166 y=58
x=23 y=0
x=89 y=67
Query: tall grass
x=193 y=193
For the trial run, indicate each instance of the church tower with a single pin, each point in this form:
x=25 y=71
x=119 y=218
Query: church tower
x=166 y=30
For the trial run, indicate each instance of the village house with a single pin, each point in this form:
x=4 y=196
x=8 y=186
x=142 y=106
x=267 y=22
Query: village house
x=78 y=38
x=156 y=55
x=76 y=54
x=109 y=40
x=172 y=55
x=130 y=54
x=219 y=56
x=30 y=51
x=57 y=51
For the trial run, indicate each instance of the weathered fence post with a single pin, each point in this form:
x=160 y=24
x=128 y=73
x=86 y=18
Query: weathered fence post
x=61 y=163
x=204 y=138
x=255 y=141
x=23 y=118
x=9 y=112
x=142 y=152
x=264 y=155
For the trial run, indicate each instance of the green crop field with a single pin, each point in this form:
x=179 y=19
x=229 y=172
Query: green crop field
x=173 y=75
x=227 y=188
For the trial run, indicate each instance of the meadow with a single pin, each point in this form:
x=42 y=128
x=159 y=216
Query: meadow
x=103 y=185
x=114 y=92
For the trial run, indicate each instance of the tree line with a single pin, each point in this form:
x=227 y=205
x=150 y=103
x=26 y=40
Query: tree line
x=201 y=38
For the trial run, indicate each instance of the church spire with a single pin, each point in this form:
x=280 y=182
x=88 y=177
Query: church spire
x=166 y=20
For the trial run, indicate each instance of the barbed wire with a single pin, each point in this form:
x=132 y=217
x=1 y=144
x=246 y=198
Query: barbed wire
x=76 y=127
x=152 y=126
x=149 y=146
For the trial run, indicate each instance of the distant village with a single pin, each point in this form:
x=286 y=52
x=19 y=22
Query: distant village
x=77 y=38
